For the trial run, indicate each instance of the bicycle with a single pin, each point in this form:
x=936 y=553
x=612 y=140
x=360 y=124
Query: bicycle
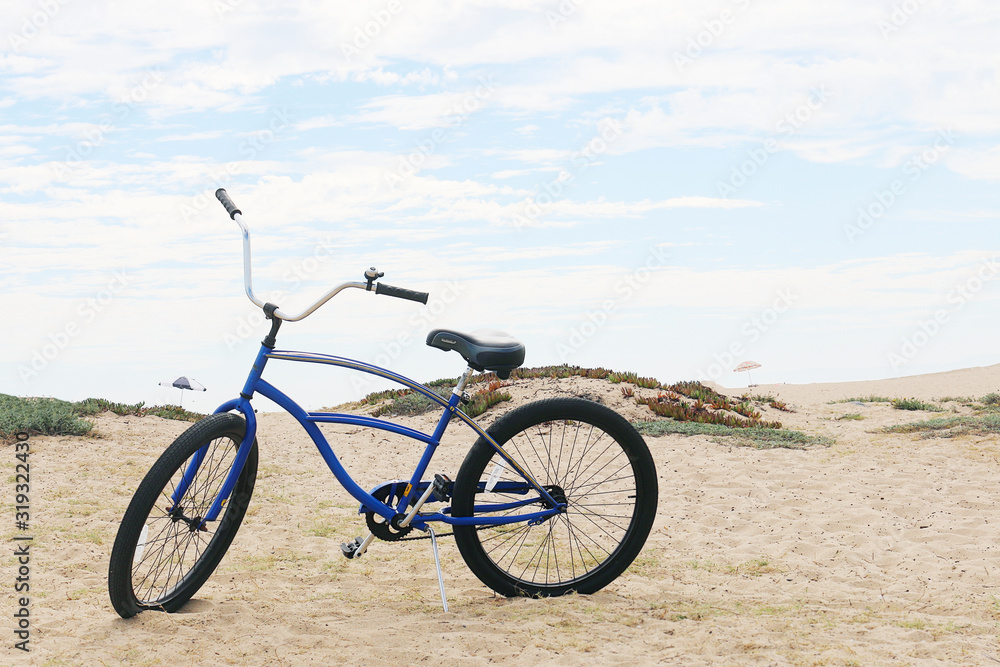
x=557 y=495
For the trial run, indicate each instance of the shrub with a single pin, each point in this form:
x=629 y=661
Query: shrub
x=91 y=406
x=42 y=416
x=50 y=416
x=864 y=399
x=174 y=412
x=483 y=401
x=671 y=406
x=761 y=438
x=914 y=404
x=409 y=403
x=992 y=399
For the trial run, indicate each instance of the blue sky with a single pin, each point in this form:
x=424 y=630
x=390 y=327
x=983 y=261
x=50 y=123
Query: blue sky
x=665 y=187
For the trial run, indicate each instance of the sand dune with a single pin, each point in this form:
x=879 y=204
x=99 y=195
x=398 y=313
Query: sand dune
x=880 y=549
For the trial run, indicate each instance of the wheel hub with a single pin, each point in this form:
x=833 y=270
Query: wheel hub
x=557 y=493
x=194 y=524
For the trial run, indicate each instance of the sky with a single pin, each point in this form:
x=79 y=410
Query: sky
x=669 y=188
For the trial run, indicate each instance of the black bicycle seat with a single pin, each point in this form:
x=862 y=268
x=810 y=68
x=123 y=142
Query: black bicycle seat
x=483 y=349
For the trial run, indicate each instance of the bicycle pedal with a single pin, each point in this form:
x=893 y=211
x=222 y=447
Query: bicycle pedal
x=350 y=548
x=442 y=487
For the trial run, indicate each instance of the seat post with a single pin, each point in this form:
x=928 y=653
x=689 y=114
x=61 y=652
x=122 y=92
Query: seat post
x=462 y=381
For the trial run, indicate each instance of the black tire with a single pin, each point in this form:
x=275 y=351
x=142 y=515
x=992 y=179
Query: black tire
x=174 y=560
x=604 y=468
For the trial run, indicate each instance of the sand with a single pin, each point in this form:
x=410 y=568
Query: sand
x=879 y=549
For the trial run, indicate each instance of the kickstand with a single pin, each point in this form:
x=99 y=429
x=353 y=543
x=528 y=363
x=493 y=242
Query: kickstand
x=437 y=563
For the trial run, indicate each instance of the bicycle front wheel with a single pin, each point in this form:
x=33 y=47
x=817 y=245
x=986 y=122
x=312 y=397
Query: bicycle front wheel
x=581 y=452
x=163 y=554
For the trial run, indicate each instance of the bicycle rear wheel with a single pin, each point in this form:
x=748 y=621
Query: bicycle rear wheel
x=580 y=451
x=162 y=555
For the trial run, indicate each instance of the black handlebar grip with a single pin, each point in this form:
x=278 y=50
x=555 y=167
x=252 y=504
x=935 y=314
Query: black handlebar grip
x=400 y=293
x=223 y=197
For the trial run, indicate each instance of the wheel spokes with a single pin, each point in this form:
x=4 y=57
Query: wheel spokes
x=176 y=539
x=600 y=487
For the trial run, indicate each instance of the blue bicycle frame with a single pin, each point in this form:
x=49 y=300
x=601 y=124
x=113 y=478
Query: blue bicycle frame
x=309 y=420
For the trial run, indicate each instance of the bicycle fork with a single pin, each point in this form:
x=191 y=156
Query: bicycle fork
x=242 y=453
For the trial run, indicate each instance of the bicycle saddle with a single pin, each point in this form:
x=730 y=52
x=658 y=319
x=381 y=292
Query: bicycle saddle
x=483 y=349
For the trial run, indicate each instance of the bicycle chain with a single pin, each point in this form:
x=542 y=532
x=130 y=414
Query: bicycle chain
x=427 y=537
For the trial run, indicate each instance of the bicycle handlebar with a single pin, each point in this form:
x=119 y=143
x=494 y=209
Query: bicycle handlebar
x=228 y=203
x=389 y=290
x=400 y=293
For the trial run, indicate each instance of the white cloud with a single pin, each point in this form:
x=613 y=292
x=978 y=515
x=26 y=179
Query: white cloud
x=193 y=136
x=184 y=72
x=978 y=164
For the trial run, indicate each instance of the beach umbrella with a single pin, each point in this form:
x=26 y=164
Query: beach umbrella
x=747 y=366
x=183 y=383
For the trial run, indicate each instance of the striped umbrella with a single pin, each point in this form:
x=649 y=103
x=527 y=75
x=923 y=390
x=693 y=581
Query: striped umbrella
x=747 y=366
x=183 y=383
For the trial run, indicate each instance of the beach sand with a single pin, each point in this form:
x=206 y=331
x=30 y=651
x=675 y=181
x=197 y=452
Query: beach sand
x=879 y=549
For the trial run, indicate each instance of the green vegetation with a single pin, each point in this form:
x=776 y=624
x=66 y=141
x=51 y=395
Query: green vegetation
x=949 y=427
x=483 y=401
x=773 y=401
x=93 y=406
x=172 y=412
x=645 y=382
x=984 y=421
x=564 y=371
x=698 y=391
x=709 y=407
x=683 y=401
x=379 y=396
x=44 y=416
x=915 y=404
x=852 y=415
x=50 y=416
x=864 y=399
x=761 y=438
x=408 y=402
